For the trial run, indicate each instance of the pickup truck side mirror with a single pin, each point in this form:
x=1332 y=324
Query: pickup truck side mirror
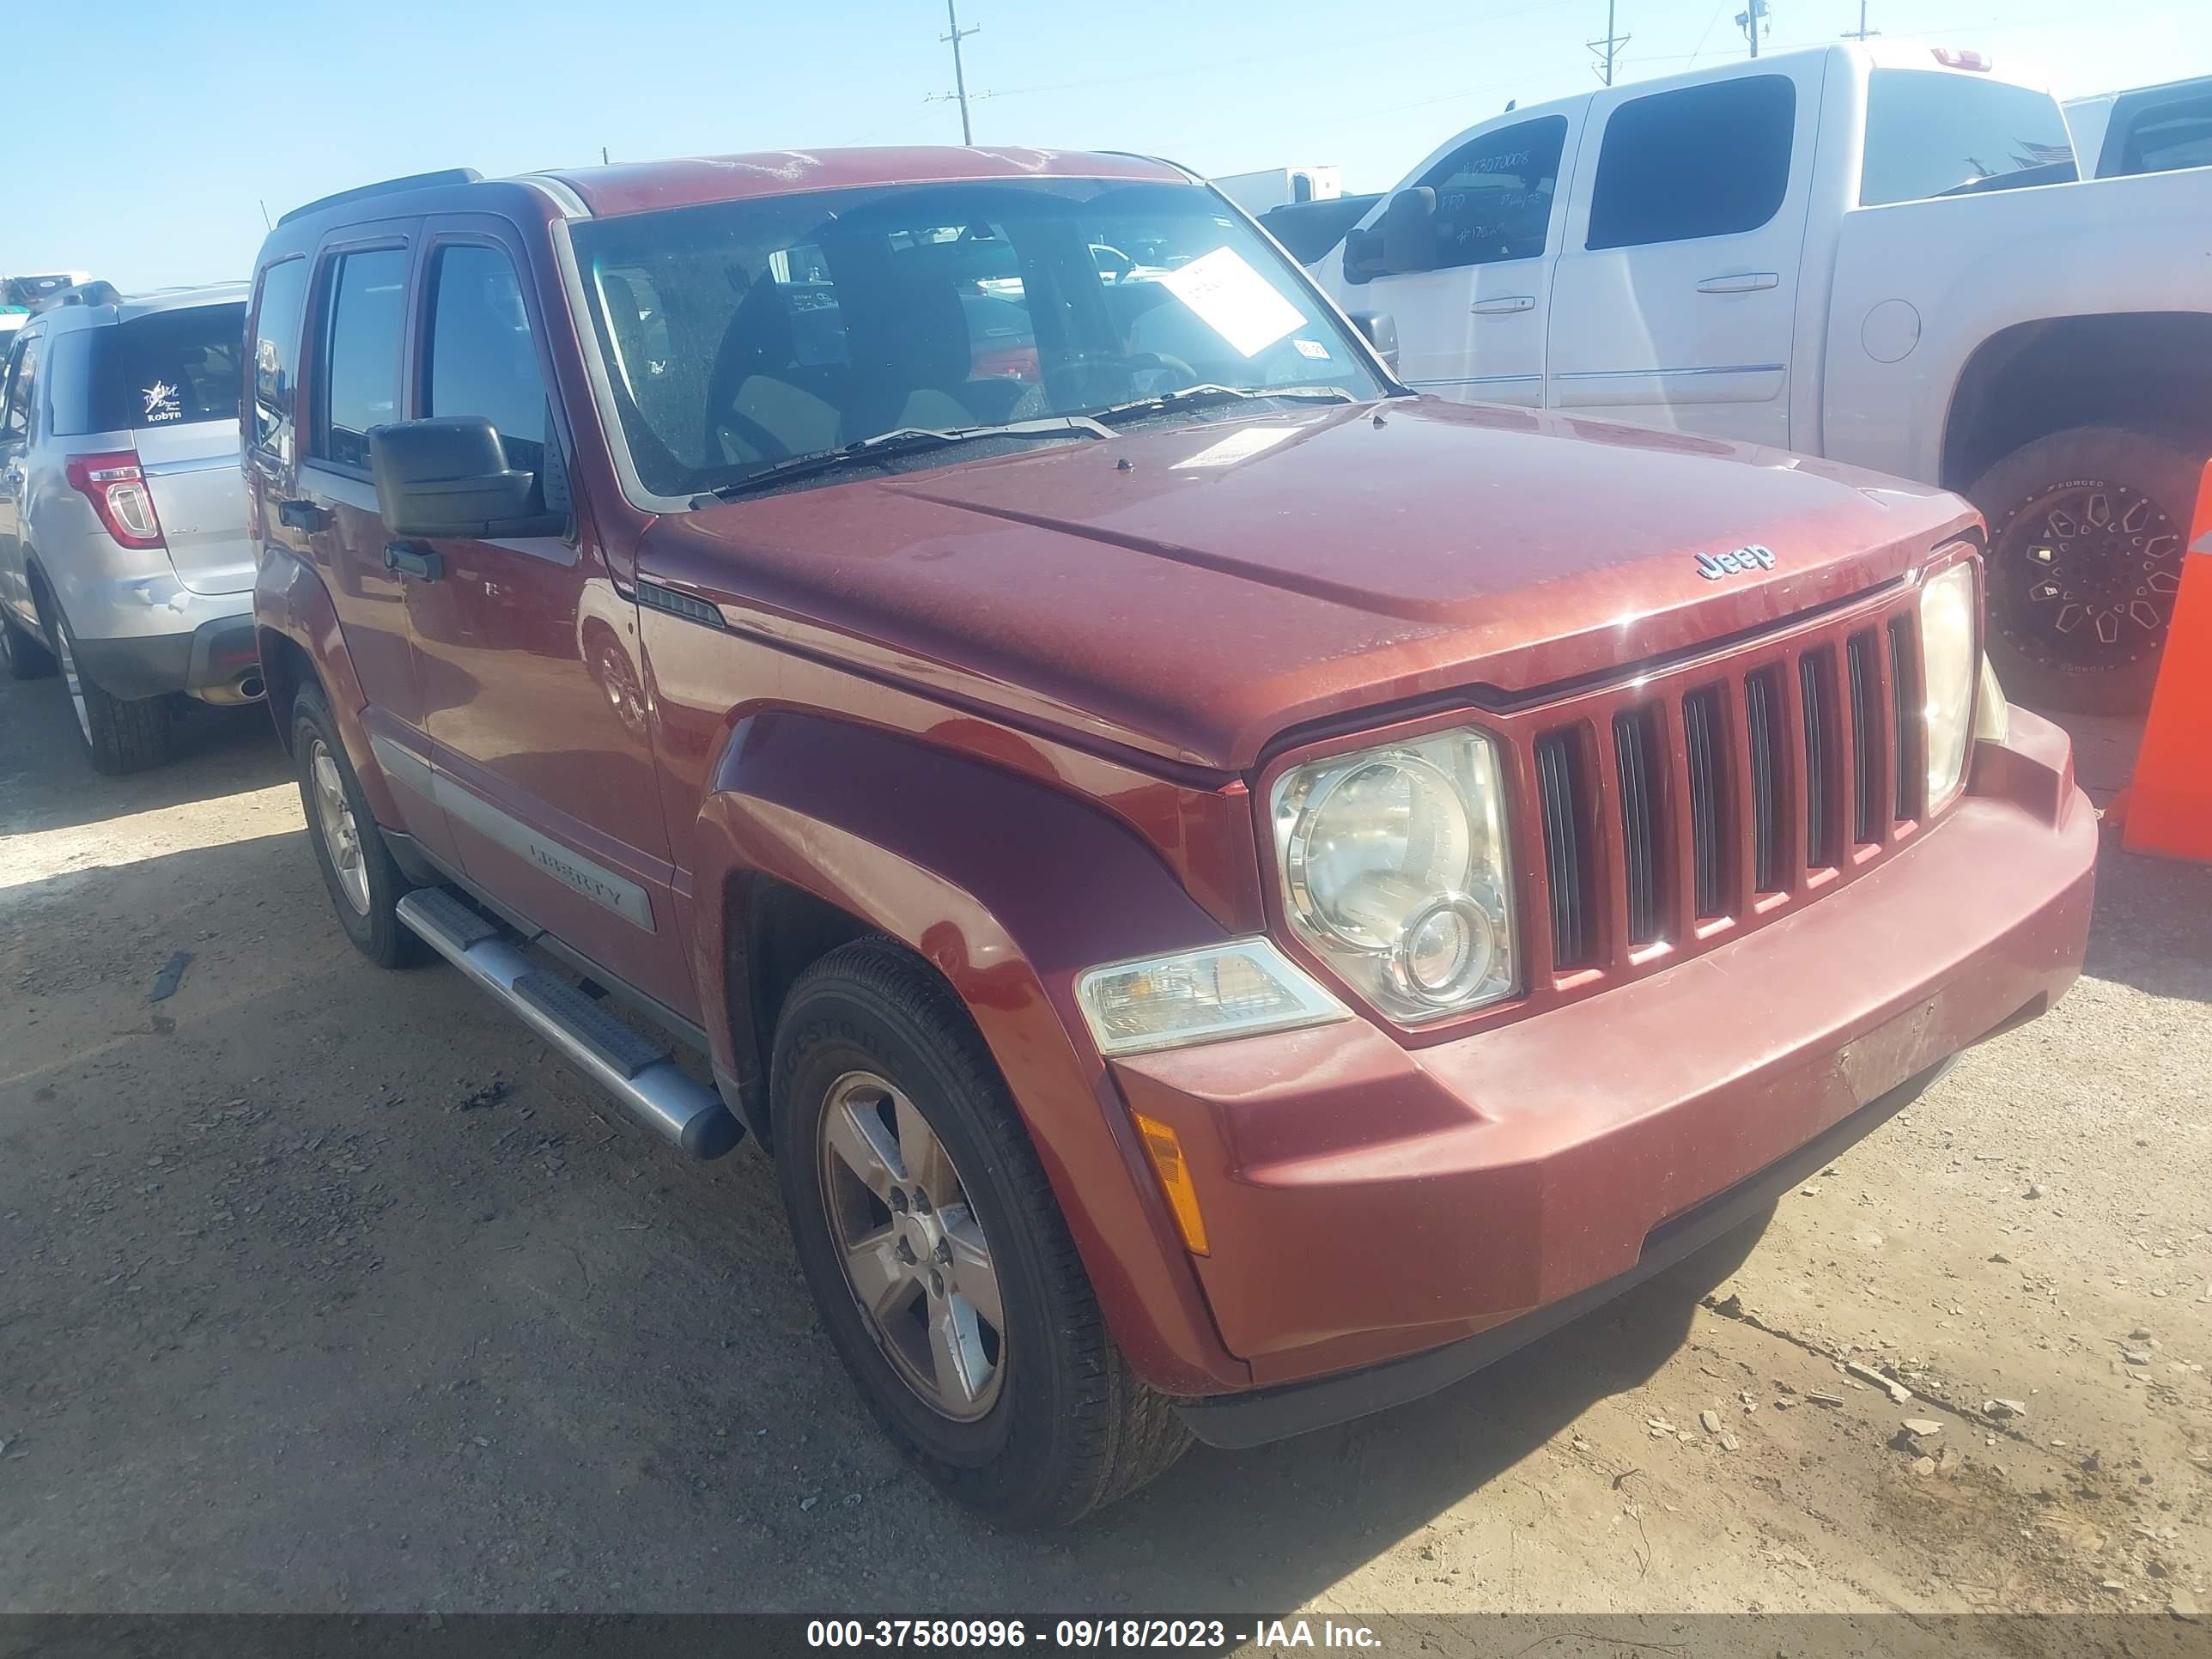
x=1409 y=230
x=448 y=477
x=1363 y=255
x=1381 y=329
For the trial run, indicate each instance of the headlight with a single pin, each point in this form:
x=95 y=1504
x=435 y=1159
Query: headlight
x=1950 y=659
x=1393 y=869
x=1238 y=989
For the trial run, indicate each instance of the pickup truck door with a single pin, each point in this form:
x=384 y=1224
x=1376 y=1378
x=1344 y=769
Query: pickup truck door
x=1472 y=329
x=1675 y=301
x=528 y=648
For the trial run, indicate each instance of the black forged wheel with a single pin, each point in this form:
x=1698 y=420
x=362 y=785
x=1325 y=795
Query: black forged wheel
x=27 y=656
x=120 y=735
x=364 y=883
x=2087 y=534
x=938 y=1259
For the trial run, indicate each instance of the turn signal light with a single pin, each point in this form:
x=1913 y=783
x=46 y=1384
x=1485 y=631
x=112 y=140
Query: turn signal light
x=116 y=486
x=1173 y=1169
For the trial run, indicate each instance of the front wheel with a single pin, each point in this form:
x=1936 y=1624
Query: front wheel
x=365 y=885
x=942 y=1267
x=2087 y=534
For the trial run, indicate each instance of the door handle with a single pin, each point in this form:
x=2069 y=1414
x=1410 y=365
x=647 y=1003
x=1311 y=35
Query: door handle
x=301 y=515
x=1505 y=305
x=1743 y=282
x=414 y=562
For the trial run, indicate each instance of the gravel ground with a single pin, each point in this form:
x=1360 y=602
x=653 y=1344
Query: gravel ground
x=323 y=1288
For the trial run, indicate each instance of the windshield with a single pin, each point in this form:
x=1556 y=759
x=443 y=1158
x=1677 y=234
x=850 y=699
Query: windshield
x=743 y=333
x=1930 y=134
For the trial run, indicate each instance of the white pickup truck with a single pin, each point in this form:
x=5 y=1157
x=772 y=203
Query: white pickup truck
x=1872 y=254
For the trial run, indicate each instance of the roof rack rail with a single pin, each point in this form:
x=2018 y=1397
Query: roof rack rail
x=384 y=187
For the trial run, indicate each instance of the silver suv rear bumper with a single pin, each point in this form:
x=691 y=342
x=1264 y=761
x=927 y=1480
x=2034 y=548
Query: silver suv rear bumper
x=218 y=662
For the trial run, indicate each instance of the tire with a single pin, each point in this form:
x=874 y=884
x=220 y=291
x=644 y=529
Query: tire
x=121 y=735
x=26 y=655
x=1061 y=1425
x=365 y=883
x=2087 y=534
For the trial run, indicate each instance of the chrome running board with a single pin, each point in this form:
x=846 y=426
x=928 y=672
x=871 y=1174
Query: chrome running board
x=638 y=1071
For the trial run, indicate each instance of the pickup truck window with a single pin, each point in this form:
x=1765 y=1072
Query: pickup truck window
x=1933 y=134
x=482 y=359
x=277 y=355
x=742 y=333
x=1494 y=194
x=1708 y=160
x=359 y=380
x=2164 y=136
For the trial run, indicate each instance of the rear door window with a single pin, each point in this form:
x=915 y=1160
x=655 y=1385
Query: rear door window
x=2167 y=136
x=1709 y=161
x=277 y=355
x=171 y=368
x=360 y=360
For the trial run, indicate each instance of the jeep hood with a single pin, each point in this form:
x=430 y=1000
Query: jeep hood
x=1192 y=590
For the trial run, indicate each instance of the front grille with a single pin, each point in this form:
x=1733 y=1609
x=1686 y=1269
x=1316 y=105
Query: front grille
x=1719 y=793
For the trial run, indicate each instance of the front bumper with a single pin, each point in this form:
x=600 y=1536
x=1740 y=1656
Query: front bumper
x=1366 y=1201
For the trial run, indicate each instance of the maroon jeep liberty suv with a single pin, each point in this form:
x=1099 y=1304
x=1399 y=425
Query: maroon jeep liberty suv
x=1233 y=895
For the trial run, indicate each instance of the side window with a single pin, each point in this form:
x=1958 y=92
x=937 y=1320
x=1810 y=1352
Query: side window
x=23 y=393
x=1494 y=193
x=481 y=360
x=1711 y=160
x=2169 y=136
x=358 y=386
x=276 y=355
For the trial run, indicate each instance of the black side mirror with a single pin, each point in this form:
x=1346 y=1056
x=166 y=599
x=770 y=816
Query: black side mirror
x=1363 y=255
x=1409 y=230
x=1381 y=329
x=448 y=477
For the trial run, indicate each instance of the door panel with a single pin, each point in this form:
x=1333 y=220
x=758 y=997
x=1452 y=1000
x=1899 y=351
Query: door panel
x=1677 y=293
x=1472 y=329
x=529 y=653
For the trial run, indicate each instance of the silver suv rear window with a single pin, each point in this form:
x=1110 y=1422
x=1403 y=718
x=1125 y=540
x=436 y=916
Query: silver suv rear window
x=167 y=368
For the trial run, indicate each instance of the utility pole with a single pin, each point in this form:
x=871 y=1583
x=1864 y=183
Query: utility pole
x=1749 y=19
x=1862 y=31
x=1607 y=50
x=959 y=75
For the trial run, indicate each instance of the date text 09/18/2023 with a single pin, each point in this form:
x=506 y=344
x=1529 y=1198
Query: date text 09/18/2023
x=988 y=1635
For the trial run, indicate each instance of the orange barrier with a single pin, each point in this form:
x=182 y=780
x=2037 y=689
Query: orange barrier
x=2169 y=804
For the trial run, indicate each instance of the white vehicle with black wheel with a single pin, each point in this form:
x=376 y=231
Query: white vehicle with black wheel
x=124 y=562
x=1874 y=253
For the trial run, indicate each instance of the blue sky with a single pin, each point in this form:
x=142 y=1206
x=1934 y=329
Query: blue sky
x=167 y=123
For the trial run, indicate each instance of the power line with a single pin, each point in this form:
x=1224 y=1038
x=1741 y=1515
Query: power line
x=1862 y=31
x=1608 y=49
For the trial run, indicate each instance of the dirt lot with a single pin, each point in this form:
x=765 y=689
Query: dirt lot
x=323 y=1288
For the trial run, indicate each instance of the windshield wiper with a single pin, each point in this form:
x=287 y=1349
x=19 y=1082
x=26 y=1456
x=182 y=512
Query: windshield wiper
x=1194 y=397
x=892 y=445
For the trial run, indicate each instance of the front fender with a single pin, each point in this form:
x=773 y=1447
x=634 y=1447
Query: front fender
x=290 y=602
x=1009 y=889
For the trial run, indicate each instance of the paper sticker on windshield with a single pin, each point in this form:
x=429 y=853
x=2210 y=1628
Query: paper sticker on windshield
x=1234 y=301
x=1311 y=349
x=161 y=403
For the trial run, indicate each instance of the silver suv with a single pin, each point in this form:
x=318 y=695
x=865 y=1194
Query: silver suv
x=124 y=555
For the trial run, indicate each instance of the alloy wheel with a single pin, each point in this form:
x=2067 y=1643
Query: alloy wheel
x=913 y=1252
x=73 y=680
x=334 y=818
x=2087 y=574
